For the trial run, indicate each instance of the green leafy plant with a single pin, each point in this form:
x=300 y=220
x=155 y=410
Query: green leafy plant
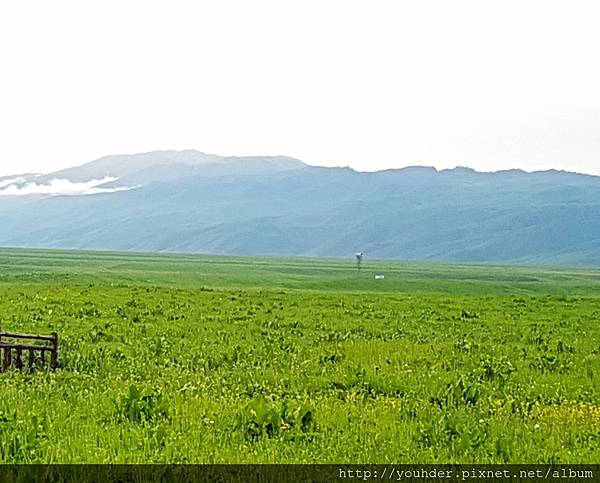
x=138 y=407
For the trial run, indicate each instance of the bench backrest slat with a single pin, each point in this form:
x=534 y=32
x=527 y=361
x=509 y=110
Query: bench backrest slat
x=27 y=336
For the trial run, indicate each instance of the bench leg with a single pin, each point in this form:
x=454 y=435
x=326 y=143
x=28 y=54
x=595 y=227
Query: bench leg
x=19 y=360
x=7 y=358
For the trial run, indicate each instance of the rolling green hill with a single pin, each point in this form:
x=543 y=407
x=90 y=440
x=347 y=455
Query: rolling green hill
x=305 y=274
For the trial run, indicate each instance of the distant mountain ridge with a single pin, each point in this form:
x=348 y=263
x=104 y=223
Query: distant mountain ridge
x=187 y=201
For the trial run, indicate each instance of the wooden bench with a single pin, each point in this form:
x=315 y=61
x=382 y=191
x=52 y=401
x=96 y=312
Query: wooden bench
x=18 y=343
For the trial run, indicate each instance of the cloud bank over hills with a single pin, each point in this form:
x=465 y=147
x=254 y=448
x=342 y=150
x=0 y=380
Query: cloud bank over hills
x=186 y=201
x=59 y=187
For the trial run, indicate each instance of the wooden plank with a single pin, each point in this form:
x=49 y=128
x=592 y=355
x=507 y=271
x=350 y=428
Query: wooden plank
x=7 y=358
x=18 y=360
x=31 y=359
x=26 y=347
x=27 y=336
x=54 y=353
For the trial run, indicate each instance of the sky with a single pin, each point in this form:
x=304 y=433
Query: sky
x=368 y=84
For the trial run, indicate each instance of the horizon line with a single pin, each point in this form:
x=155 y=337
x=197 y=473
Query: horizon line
x=340 y=166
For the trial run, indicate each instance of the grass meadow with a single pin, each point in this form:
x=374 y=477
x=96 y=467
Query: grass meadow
x=205 y=359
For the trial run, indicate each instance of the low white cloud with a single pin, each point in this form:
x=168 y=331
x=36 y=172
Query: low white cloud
x=59 y=187
x=7 y=182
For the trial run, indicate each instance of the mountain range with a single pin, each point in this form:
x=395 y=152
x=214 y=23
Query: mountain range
x=187 y=201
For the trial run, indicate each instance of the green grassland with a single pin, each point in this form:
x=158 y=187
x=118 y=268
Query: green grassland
x=198 y=359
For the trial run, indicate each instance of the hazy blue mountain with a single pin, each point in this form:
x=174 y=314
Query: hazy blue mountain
x=188 y=201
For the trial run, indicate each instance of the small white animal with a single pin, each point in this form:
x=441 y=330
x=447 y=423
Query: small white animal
x=379 y=277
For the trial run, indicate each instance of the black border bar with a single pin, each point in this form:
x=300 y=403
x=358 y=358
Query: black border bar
x=295 y=473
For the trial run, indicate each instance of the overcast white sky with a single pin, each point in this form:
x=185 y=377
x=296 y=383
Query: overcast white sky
x=370 y=84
